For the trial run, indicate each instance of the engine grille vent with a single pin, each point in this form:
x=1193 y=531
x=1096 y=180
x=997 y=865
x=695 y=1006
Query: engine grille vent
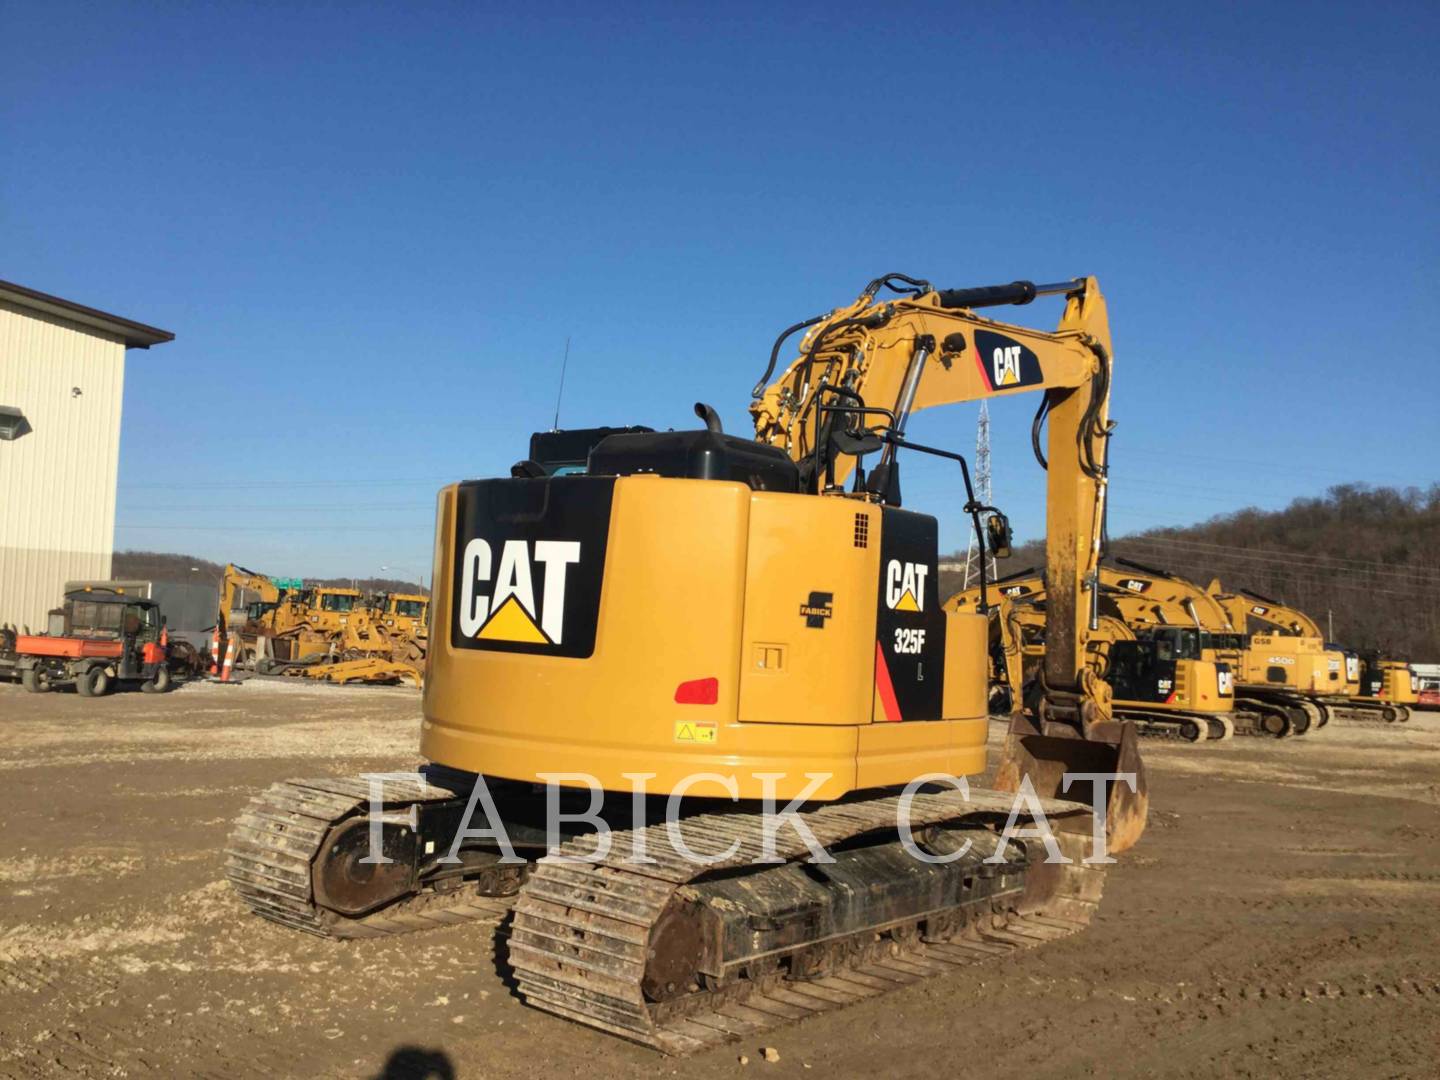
x=862 y=530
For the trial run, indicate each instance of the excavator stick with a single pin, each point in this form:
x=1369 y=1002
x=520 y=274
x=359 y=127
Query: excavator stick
x=1049 y=753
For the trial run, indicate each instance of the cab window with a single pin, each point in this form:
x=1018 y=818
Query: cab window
x=87 y=615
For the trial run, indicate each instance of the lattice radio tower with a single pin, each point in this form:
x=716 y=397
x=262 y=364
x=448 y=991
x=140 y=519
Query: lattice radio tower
x=982 y=493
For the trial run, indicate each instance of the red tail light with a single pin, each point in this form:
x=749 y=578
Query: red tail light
x=698 y=692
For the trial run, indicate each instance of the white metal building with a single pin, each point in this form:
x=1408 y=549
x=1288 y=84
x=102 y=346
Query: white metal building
x=62 y=370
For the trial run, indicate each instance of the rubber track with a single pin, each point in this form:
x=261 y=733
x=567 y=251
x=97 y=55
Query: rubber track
x=579 y=939
x=275 y=841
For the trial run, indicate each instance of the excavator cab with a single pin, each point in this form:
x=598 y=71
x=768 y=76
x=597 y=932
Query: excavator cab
x=339 y=601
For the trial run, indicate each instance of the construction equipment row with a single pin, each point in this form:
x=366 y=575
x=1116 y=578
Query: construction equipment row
x=1197 y=663
x=326 y=633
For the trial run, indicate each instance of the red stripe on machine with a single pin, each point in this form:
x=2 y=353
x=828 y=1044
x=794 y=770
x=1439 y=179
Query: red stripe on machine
x=980 y=366
x=884 y=687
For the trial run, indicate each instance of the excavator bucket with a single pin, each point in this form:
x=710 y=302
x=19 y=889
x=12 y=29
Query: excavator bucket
x=1047 y=758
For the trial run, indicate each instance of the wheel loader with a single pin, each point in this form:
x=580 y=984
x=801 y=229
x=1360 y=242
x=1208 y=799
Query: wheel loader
x=635 y=662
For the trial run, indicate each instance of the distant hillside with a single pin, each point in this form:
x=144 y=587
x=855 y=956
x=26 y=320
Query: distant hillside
x=167 y=566
x=1366 y=558
x=163 y=566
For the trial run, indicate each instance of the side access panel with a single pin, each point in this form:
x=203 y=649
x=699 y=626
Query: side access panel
x=807 y=641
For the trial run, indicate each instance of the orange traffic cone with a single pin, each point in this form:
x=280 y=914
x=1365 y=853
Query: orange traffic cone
x=229 y=661
x=215 y=650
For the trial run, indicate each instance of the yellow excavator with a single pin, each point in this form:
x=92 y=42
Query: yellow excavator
x=1278 y=686
x=1353 y=687
x=278 y=613
x=1159 y=677
x=698 y=626
x=1391 y=682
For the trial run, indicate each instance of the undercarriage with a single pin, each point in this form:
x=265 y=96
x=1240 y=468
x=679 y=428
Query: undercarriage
x=711 y=927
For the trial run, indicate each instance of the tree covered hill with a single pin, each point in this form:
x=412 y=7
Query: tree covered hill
x=1363 y=560
x=168 y=566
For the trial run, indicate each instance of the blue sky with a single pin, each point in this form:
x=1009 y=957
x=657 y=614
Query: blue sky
x=372 y=229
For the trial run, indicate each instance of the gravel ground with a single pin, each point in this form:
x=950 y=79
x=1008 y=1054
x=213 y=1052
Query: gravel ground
x=1278 y=918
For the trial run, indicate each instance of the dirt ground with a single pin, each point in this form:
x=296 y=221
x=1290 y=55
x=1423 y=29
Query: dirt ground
x=1280 y=917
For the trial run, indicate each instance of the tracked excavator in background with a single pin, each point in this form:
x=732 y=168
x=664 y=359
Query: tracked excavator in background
x=279 y=620
x=1159 y=678
x=712 y=620
x=1353 y=687
x=1278 y=687
x=1390 y=681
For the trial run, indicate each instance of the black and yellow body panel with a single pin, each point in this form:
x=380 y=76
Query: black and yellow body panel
x=610 y=626
x=1299 y=663
x=1142 y=676
x=1393 y=681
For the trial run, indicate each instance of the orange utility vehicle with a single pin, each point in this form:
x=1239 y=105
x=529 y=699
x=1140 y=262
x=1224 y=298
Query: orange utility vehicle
x=108 y=638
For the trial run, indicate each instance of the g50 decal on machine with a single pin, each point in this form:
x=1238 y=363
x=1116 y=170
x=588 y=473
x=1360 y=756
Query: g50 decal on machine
x=530 y=561
x=910 y=626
